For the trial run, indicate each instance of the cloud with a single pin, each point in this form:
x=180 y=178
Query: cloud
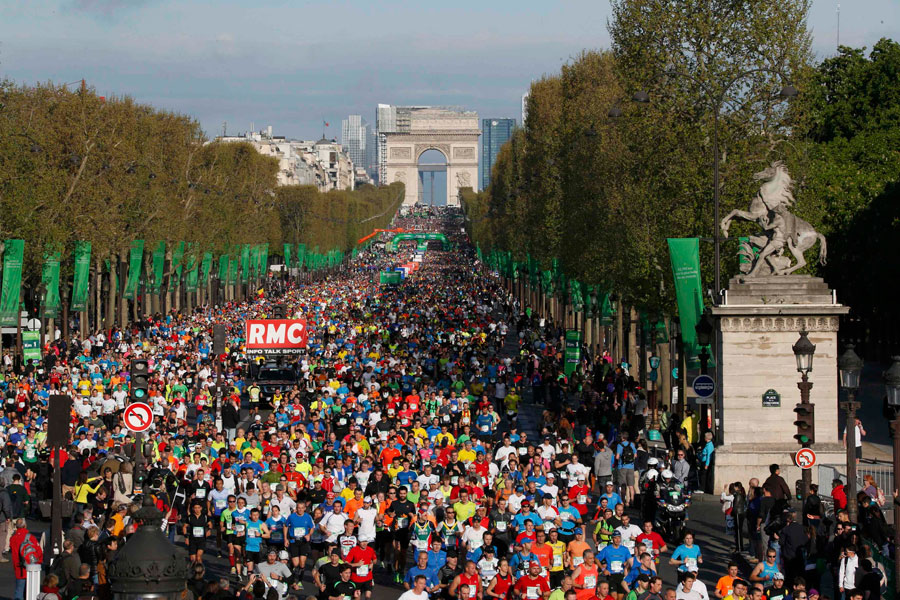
x=106 y=8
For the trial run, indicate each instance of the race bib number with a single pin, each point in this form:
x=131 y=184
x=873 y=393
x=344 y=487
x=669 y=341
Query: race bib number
x=590 y=581
x=198 y=532
x=557 y=561
x=581 y=499
x=615 y=566
x=691 y=564
x=454 y=480
x=254 y=533
x=485 y=428
x=533 y=592
x=342 y=422
x=402 y=522
x=221 y=503
x=200 y=493
x=29 y=453
x=649 y=544
x=523 y=451
x=421 y=544
x=240 y=527
x=362 y=570
x=299 y=532
x=501 y=526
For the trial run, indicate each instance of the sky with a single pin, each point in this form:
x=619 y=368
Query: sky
x=294 y=64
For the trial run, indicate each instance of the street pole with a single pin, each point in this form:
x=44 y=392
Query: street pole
x=717 y=291
x=895 y=434
x=851 y=406
x=805 y=386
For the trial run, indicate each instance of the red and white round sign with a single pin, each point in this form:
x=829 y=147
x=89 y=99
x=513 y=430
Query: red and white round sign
x=805 y=458
x=138 y=416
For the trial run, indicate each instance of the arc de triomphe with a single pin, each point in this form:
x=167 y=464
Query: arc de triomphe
x=419 y=129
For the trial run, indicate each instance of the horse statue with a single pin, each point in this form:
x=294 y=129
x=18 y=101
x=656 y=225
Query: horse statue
x=780 y=227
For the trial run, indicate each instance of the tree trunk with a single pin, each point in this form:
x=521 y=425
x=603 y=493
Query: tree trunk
x=124 y=266
x=98 y=296
x=112 y=277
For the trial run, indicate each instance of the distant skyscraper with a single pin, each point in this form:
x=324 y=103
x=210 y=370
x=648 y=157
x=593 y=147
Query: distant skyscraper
x=494 y=133
x=354 y=139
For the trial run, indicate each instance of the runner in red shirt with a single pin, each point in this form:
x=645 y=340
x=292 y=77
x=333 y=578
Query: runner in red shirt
x=362 y=558
x=533 y=586
x=652 y=540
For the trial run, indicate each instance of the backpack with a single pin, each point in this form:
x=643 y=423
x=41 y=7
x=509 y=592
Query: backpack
x=30 y=551
x=628 y=454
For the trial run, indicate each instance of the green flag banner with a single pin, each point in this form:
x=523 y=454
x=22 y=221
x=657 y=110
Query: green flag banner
x=577 y=295
x=177 y=262
x=301 y=254
x=287 y=256
x=159 y=264
x=607 y=313
x=685 y=257
x=254 y=260
x=264 y=260
x=191 y=273
x=135 y=262
x=232 y=270
x=245 y=263
x=81 y=276
x=223 y=268
x=205 y=266
x=50 y=282
x=13 y=256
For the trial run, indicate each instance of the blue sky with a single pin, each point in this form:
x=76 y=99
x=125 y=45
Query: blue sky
x=292 y=64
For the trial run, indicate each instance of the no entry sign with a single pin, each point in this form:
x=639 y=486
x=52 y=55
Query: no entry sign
x=276 y=336
x=138 y=417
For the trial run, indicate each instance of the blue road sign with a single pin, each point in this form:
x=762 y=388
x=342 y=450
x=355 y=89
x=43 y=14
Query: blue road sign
x=704 y=386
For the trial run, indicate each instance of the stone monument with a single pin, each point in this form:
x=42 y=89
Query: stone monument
x=760 y=318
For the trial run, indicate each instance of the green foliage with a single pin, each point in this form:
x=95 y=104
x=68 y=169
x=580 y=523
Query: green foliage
x=75 y=166
x=337 y=219
x=602 y=195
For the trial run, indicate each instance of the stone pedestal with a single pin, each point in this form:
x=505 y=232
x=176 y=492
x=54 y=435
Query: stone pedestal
x=759 y=321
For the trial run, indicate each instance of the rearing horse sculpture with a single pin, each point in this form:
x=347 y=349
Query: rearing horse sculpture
x=780 y=227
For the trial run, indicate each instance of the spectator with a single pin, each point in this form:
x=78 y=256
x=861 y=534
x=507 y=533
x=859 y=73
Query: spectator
x=776 y=485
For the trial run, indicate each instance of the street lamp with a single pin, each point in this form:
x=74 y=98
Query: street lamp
x=849 y=367
x=804 y=350
x=892 y=390
x=148 y=566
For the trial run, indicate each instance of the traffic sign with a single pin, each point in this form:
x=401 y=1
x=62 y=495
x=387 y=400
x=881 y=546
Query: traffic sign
x=675 y=373
x=704 y=386
x=138 y=416
x=805 y=458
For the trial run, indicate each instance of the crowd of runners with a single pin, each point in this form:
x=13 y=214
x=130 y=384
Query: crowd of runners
x=396 y=457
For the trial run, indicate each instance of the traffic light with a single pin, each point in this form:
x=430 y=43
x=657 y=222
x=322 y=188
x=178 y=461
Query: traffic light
x=140 y=380
x=806 y=424
x=279 y=311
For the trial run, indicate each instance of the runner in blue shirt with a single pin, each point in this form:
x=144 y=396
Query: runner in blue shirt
x=687 y=556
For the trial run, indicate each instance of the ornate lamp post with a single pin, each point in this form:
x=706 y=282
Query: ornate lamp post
x=149 y=566
x=892 y=390
x=850 y=366
x=803 y=352
x=654 y=401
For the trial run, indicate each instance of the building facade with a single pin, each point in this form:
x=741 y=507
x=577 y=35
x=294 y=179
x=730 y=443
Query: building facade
x=322 y=163
x=494 y=133
x=356 y=140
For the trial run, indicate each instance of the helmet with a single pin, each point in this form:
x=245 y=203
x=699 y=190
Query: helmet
x=652 y=462
x=652 y=474
x=667 y=474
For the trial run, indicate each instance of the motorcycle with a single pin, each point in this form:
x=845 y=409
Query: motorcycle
x=671 y=515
